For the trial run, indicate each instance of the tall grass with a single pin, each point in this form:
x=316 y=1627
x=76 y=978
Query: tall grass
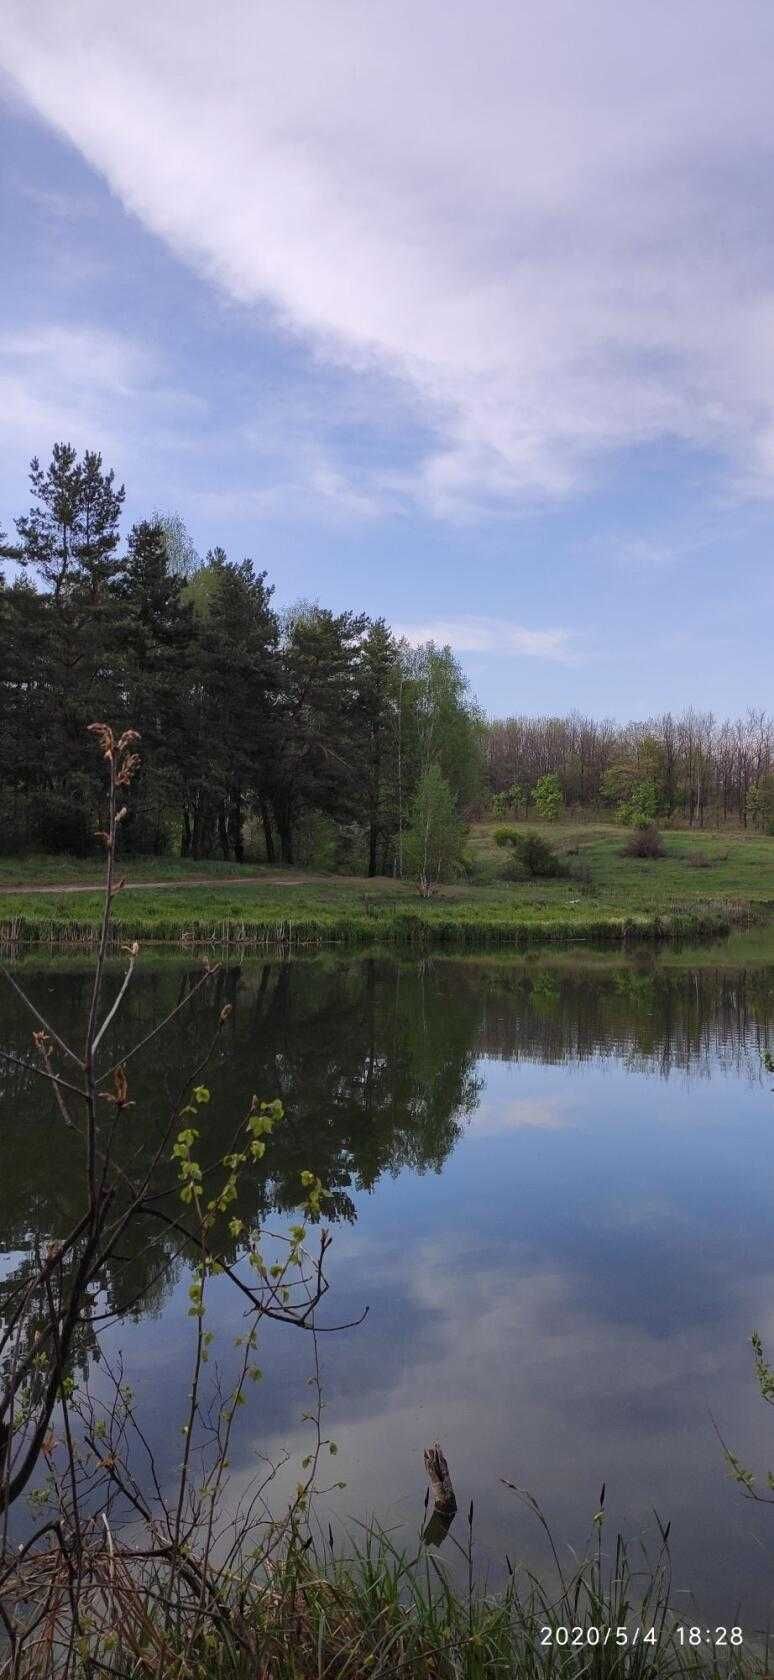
x=388 y=1614
x=458 y=924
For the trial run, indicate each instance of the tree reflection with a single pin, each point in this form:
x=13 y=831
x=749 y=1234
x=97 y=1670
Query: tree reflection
x=374 y=1061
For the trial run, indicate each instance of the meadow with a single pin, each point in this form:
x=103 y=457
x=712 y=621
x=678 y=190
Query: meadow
x=708 y=882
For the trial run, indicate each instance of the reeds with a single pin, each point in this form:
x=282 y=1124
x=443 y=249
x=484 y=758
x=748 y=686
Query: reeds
x=435 y=925
x=388 y=1614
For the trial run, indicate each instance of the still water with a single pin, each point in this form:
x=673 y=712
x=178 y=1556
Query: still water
x=551 y=1183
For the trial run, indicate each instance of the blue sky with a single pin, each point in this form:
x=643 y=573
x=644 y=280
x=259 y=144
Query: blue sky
x=463 y=316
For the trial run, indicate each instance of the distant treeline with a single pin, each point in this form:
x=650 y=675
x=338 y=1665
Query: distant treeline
x=692 y=768
x=303 y=736
x=308 y=736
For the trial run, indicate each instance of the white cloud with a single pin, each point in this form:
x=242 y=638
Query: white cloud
x=549 y=221
x=300 y=489
x=489 y=635
x=77 y=381
x=495 y=1118
x=84 y=358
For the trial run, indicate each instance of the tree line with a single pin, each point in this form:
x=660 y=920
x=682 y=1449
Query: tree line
x=304 y=736
x=693 y=768
x=298 y=736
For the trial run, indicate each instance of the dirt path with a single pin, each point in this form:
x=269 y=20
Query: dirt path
x=374 y=884
x=158 y=886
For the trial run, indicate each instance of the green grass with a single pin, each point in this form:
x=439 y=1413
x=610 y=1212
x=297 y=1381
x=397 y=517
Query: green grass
x=40 y=869
x=381 y=1613
x=620 y=898
x=739 y=866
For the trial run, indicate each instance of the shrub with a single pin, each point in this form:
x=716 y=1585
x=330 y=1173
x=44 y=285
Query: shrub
x=645 y=842
x=531 y=855
x=699 y=860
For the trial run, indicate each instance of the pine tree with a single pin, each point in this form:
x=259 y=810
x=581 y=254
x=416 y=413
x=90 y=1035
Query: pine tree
x=378 y=698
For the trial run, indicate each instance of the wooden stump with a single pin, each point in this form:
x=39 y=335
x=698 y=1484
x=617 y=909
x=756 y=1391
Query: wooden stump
x=444 y=1501
x=439 y=1479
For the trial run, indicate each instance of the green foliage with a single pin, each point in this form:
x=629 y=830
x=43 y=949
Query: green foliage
x=61 y=821
x=439 y=723
x=71 y=534
x=184 y=562
x=312 y=733
x=616 y=783
x=510 y=800
x=434 y=842
x=641 y=807
x=760 y=804
x=379 y=700
x=532 y=855
x=247 y=910
x=548 y=798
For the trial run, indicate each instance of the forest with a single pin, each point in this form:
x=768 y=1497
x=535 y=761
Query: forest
x=305 y=734
x=299 y=736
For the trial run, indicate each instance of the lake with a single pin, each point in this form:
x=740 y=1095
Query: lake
x=551 y=1184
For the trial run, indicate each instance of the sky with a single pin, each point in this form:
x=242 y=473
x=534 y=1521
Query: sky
x=458 y=314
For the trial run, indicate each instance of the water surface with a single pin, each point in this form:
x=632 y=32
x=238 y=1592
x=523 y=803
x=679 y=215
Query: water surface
x=551 y=1183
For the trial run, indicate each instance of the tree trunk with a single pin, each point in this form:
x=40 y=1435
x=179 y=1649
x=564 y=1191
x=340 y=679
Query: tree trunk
x=223 y=830
x=285 y=832
x=268 y=832
x=203 y=829
x=235 y=824
x=373 y=826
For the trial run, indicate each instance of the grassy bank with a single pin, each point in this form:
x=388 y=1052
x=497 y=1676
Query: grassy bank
x=380 y=1613
x=256 y=918
x=706 y=884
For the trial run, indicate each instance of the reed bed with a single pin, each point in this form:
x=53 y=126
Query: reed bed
x=376 y=1611
x=449 y=926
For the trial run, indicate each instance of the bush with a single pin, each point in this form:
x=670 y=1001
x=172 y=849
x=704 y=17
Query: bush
x=644 y=842
x=531 y=855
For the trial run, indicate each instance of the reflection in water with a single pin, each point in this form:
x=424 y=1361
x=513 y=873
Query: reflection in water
x=563 y=1246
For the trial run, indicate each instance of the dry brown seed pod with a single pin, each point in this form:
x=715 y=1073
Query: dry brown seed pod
x=104 y=736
